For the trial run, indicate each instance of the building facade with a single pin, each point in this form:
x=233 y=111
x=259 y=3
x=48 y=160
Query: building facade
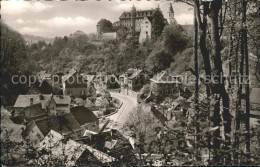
x=138 y=22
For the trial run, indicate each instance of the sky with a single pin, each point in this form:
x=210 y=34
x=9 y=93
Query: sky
x=60 y=18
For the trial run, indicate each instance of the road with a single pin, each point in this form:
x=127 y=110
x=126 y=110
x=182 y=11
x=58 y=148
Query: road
x=129 y=103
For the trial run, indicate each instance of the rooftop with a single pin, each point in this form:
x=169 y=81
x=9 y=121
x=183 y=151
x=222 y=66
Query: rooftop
x=72 y=149
x=68 y=75
x=25 y=100
x=43 y=88
x=61 y=99
x=135 y=74
x=62 y=123
x=53 y=141
x=83 y=115
x=139 y=14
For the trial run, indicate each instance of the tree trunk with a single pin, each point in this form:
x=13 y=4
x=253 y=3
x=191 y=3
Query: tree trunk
x=219 y=87
x=196 y=86
x=244 y=3
x=231 y=45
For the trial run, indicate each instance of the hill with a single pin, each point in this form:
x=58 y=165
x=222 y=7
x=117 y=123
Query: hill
x=35 y=39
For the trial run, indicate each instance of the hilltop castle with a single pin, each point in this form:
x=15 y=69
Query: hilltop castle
x=139 y=22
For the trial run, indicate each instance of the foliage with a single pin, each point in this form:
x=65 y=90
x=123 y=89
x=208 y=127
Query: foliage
x=157 y=24
x=174 y=39
x=106 y=25
x=13 y=62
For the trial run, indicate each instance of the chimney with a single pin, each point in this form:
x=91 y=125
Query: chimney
x=31 y=101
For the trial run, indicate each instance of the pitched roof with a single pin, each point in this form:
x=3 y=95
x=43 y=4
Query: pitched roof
x=115 y=137
x=77 y=82
x=255 y=96
x=68 y=75
x=129 y=72
x=72 y=149
x=53 y=141
x=43 y=88
x=101 y=156
x=110 y=144
x=62 y=123
x=24 y=100
x=165 y=77
x=61 y=99
x=170 y=8
x=43 y=74
x=83 y=115
x=17 y=119
x=135 y=74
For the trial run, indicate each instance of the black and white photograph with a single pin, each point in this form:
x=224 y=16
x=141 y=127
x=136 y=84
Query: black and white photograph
x=127 y=83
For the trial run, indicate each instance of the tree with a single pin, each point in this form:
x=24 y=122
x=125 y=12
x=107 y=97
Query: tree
x=157 y=24
x=158 y=60
x=144 y=129
x=106 y=25
x=174 y=39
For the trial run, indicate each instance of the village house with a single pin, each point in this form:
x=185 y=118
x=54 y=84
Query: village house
x=74 y=85
x=24 y=101
x=113 y=143
x=86 y=118
x=100 y=81
x=165 y=84
x=76 y=154
x=133 y=80
x=66 y=124
x=33 y=105
x=62 y=103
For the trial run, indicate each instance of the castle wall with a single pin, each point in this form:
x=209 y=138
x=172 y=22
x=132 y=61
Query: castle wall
x=146 y=30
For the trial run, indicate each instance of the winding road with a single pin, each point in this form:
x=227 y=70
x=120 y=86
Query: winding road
x=129 y=103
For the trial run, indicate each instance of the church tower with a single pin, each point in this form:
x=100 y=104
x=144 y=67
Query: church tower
x=133 y=18
x=171 y=18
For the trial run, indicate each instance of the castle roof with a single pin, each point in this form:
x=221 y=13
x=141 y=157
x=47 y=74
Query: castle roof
x=171 y=9
x=139 y=14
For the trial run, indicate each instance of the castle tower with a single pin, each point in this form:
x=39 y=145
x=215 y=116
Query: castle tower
x=133 y=19
x=171 y=18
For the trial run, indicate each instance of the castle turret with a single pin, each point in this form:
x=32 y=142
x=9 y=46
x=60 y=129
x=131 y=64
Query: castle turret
x=171 y=18
x=133 y=19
